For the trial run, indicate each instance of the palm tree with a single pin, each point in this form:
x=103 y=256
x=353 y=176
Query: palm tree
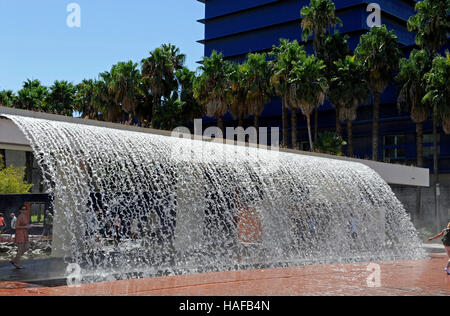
x=285 y=55
x=159 y=70
x=124 y=85
x=144 y=103
x=431 y=24
x=32 y=96
x=104 y=99
x=169 y=115
x=348 y=90
x=84 y=99
x=438 y=96
x=7 y=98
x=237 y=92
x=191 y=108
x=438 y=90
x=211 y=86
x=61 y=98
x=411 y=77
x=308 y=87
x=379 y=55
x=334 y=48
x=317 y=20
x=258 y=85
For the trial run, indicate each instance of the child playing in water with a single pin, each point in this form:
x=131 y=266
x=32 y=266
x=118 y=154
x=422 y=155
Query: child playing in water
x=446 y=241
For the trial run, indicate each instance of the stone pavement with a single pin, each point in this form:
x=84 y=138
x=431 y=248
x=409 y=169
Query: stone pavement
x=418 y=277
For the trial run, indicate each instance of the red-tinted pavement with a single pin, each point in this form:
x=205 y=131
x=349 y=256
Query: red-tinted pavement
x=421 y=277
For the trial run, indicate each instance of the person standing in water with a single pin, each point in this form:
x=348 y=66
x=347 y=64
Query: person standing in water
x=446 y=241
x=22 y=227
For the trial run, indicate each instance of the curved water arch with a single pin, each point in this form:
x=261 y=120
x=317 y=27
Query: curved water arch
x=206 y=206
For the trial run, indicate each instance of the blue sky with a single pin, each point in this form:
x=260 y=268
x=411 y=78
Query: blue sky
x=36 y=42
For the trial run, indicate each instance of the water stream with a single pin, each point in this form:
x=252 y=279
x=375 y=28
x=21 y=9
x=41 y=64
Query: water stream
x=131 y=204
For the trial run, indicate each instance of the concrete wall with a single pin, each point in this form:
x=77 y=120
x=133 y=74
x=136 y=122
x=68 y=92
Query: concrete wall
x=426 y=218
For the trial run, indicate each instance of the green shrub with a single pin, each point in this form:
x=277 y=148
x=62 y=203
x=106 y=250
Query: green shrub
x=12 y=180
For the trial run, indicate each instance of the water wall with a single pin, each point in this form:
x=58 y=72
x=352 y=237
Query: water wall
x=129 y=204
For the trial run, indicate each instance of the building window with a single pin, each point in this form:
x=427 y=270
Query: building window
x=428 y=146
x=394 y=147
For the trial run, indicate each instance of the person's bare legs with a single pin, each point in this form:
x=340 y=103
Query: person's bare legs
x=22 y=248
x=447 y=249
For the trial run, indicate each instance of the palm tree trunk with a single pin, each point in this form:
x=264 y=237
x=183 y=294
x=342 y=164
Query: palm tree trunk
x=436 y=171
x=316 y=123
x=420 y=165
x=294 y=128
x=375 y=126
x=256 y=125
x=350 y=138
x=285 y=123
x=338 y=124
x=241 y=122
x=155 y=107
x=220 y=125
x=311 y=144
x=420 y=144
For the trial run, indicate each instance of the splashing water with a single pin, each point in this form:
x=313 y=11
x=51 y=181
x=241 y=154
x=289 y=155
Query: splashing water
x=130 y=205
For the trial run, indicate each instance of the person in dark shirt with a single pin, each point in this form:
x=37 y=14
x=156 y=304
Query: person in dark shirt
x=48 y=223
x=446 y=241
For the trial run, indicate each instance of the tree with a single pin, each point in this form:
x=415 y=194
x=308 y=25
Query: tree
x=11 y=180
x=124 y=85
x=308 y=87
x=237 y=92
x=411 y=78
x=32 y=96
x=379 y=56
x=7 y=98
x=258 y=85
x=191 y=108
x=211 y=86
x=329 y=143
x=169 y=115
x=317 y=20
x=438 y=96
x=159 y=71
x=431 y=24
x=347 y=90
x=284 y=57
x=61 y=98
x=334 y=48
x=412 y=92
x=84 y=99
x=144 y=103
x=104 y=99
x=438 y=90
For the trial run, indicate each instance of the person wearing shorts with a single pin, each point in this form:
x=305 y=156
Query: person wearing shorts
x=22 y=241
x=446 y=241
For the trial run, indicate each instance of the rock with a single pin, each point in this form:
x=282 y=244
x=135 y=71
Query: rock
x=4 y=249
x=37 y=252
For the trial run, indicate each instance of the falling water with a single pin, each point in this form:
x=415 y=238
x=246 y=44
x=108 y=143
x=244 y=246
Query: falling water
x=131 y=204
